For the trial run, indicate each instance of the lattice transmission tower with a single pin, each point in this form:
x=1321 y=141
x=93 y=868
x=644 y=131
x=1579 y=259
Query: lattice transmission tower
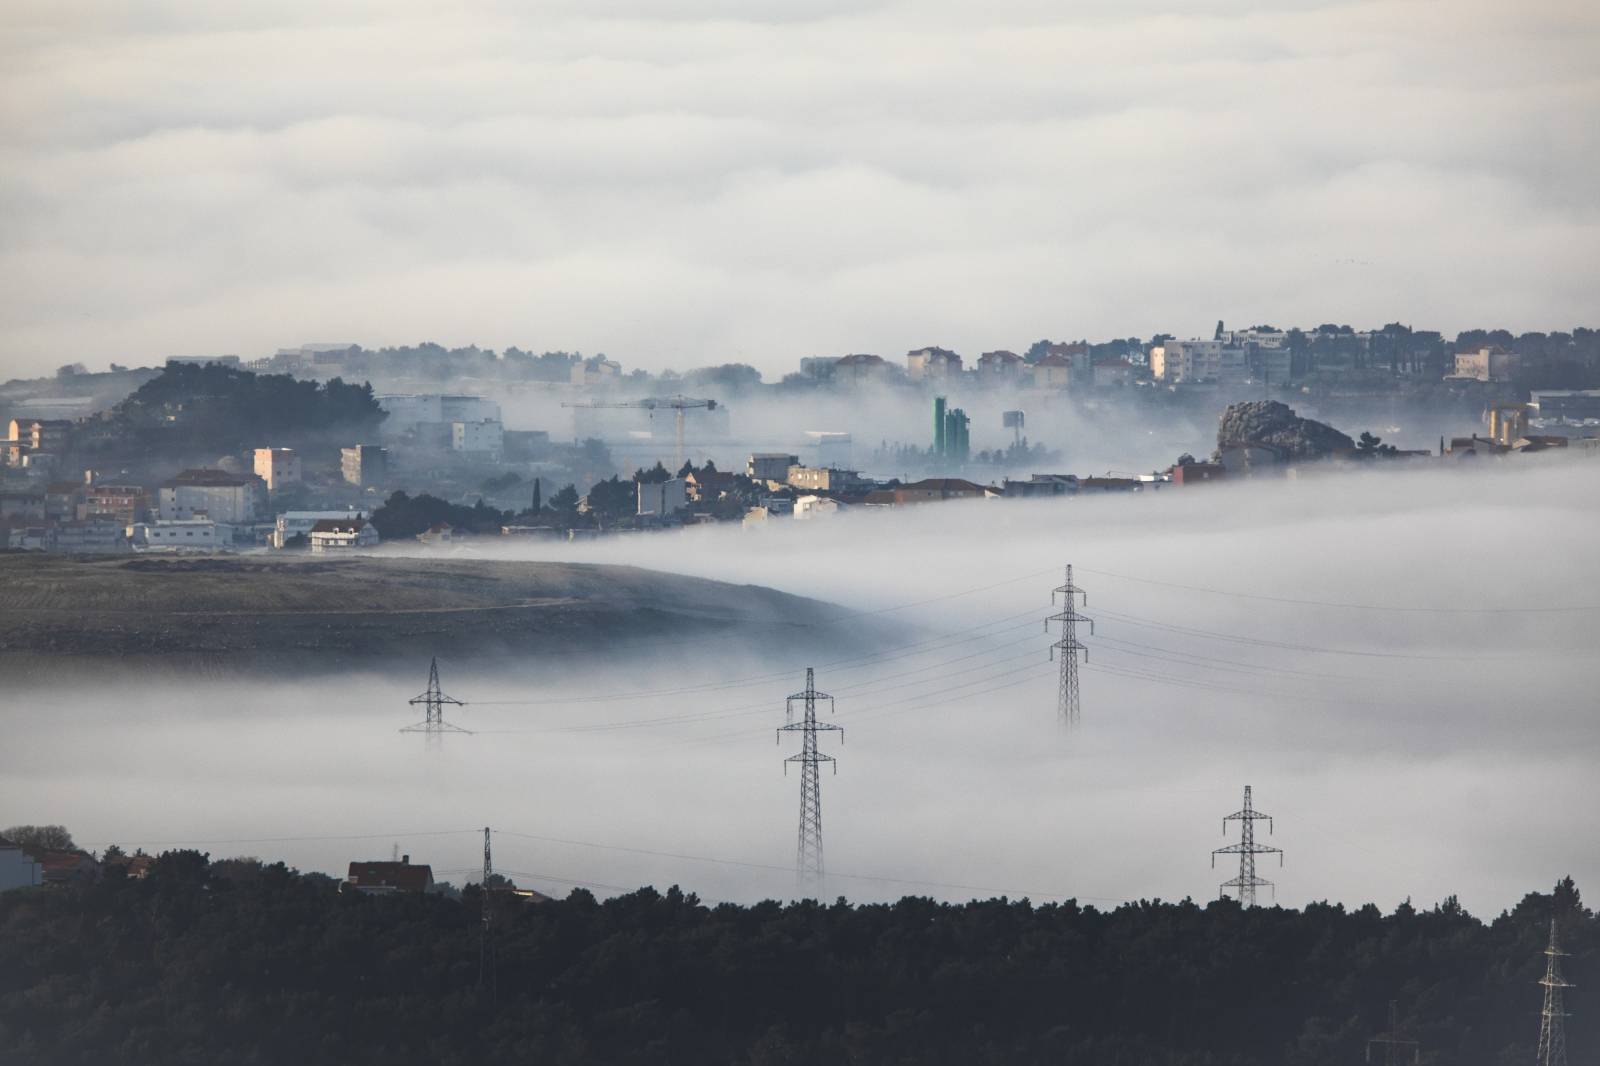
x=808 y=847
x=1069 y=646
x=1397 y=1050
x=1247 y=849
x=1553 y=1018
x=433 y=727
x=486 y=966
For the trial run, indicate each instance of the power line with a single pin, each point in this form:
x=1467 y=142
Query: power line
x=1279 y=645
x=1345 y=604
x=955 y=638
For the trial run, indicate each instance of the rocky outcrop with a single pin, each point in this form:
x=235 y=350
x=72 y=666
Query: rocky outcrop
x=1274 y=423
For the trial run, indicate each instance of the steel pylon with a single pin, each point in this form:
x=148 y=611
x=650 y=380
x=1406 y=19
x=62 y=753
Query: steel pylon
x=1247 y=849
x=808 y=863
x=1067 y=696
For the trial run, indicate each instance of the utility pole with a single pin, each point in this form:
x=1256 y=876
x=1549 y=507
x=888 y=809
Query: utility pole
x=433 y=727
x=1552 y=1019
x=1247 y=849
x=1397 y=1050
x=808 y=847
x=486 y=967
x=1069 y=647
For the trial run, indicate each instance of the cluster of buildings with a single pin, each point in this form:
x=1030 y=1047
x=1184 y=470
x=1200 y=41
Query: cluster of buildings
x=1057 y=366
x=197 y=510
x=22 y=867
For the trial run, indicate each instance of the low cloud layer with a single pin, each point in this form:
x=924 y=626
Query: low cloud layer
x=760 y=182
x=1444 y=747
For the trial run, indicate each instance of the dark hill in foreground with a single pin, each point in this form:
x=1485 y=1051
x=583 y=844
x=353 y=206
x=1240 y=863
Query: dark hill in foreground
x=247 y=964
x=220 y=615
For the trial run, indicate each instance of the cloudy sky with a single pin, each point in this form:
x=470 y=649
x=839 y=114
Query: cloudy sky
x=678 y=184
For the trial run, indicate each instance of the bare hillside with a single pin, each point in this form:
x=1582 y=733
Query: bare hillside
x=248 y=614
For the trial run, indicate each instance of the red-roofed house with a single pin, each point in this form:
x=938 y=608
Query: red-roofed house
x=940 y=488
x=383 y=878
x=1112 y=373
x=1001 y=366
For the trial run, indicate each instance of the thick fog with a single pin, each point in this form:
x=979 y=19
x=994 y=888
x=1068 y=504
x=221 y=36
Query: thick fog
x=1402 y=664
x=703 y=182
x=1117 y=433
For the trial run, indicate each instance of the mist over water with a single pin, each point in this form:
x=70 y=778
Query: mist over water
x=1411 y=751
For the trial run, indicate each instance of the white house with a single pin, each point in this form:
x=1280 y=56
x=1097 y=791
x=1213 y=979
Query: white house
x=342 y=534
x=809 y=507
x=291 y=524
x=932 y=364
x=17 y=868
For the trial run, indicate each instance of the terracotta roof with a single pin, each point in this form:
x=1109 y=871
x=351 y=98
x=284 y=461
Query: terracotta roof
x=1053 y=360
x=944 y=484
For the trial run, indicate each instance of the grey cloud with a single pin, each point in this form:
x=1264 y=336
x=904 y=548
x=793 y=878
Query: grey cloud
x=723 y=182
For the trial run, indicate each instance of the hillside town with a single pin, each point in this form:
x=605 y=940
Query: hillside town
x=219 y=454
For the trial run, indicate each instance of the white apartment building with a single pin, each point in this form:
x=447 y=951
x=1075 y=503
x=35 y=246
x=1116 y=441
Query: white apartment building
x=1178 y=362
x=277 y=467
x=487 y=437
x=190 y=534
x=236 y=499
x=407 y=411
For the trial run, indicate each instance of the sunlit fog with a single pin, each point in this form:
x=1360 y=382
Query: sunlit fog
x=1402 y=666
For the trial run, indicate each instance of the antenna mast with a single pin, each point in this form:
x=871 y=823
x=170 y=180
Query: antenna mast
x=1069 y=647
x=1552 y=1019
x=1247 y=849
x=808 y=847
x=486 y=967
x=1397 y=1050
x=434 y=727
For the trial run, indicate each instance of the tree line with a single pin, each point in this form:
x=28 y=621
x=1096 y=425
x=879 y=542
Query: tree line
x=244 y=961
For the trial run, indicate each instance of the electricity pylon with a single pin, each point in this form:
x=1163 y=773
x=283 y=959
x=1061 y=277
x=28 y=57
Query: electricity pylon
x=434 y=727
x=1069 y=646
x=1397 y=1050
x=486 y=967
x=1247 y=849
x=1552 y=1019
x=808 y=847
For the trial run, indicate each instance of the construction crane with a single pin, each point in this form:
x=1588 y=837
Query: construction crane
x=679 y=404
